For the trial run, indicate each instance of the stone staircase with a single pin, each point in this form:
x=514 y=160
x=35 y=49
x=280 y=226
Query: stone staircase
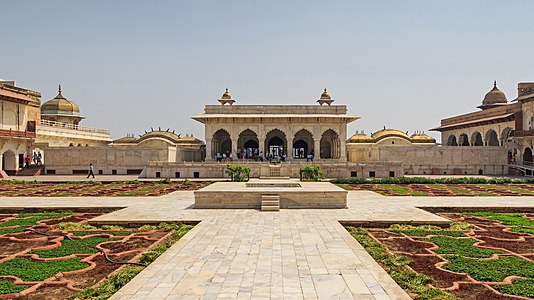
x=270 y=202
x=32 y=170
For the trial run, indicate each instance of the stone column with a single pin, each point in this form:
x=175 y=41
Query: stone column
x=317 y=134
x=234 y=147
x=317 y=148
x=209 y=154
x=261 y=142
x=289 y=139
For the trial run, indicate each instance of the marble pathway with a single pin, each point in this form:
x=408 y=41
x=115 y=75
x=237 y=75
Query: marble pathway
x=244 y=254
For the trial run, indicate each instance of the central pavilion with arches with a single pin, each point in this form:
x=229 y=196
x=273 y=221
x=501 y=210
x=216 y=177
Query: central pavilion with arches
x=290 y=131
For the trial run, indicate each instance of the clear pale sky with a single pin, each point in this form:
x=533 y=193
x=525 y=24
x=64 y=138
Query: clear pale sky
x=132 y=65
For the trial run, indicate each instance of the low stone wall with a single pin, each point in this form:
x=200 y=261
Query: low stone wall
x=262 y=169
x=436 y=160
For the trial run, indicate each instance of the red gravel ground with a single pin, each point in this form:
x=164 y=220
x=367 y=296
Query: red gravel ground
x=120 y=248
x=492 y=234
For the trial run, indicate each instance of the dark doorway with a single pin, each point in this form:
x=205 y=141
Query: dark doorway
x=527 y=155
x=276 y=146
x=300 y=149
x=252 y=144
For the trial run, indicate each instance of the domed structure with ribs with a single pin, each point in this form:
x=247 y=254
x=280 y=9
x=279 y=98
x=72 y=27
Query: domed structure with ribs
x=493 y=98
x=60 y=109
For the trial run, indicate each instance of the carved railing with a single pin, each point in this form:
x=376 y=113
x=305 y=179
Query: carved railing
x=521 y=133
x=17 y=133
x=72 y=126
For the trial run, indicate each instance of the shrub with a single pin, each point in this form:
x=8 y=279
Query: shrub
x=424 y=180
x=312 y=173
x=237 y=173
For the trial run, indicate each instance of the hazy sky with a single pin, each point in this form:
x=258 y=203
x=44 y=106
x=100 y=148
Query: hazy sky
x=132 y=65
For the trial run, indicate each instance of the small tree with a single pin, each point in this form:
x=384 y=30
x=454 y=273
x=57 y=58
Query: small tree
x=311 y=173
x=237 y=173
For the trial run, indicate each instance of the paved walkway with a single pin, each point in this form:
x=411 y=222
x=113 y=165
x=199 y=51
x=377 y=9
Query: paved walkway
x=243 y=254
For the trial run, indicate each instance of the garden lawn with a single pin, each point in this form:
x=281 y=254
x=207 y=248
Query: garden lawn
x=31 y=271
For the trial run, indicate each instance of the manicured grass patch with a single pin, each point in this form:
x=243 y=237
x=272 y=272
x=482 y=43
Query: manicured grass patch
x=395 y=189
x=455 y=230
x=121 y=278
x=523 y=230
x=491 y=270
x=68 y=247
x=29 y=270
x=505 y=219
x=396 y=266
x=418 y=232
x=424 y=180
x=462 y=246
x=12 y=230
x=118 y=233
x=26 y=222
x=7 y=287
x=520 y=287
x=46 y=214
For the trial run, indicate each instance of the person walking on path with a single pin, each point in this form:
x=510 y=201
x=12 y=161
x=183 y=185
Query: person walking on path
x=91 y=171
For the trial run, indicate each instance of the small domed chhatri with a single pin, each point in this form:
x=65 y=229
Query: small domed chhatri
x=420 y=137
x=389 y=132
x=61 y=109
x=226 y=98
x=325 y=98
x=361 y=138
x=493 y=98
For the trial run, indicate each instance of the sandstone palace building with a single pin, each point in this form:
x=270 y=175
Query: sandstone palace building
x=273 y=140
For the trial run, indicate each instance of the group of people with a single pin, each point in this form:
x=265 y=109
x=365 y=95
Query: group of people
x=37 y=159
x=257 y=155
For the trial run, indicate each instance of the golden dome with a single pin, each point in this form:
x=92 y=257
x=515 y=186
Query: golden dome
x=325 y=98
x=129 y=139
x=421 y=137
x=226 y=95
x=494 y=97
x=325 y=95
x=60 y=106
x=226 y=98
x=361 y=138
x=389 y=132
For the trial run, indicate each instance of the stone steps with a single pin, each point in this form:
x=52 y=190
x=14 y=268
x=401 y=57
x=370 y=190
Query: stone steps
x=270 y=203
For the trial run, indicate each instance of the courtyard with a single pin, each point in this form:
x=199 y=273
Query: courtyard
x=291 y=253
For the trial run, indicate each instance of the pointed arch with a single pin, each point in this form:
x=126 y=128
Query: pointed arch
x=276 y=143
x=476 y=139
x=491 y=138
x=451 y=141
x=463 y=140
x=221 y=143
x=330 y=145
x=248 y=144
x=302 y=144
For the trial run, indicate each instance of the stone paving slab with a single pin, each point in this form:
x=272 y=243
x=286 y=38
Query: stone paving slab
x=248 y=254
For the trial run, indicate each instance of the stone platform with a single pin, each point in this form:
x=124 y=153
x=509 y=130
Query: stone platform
x=292 y=193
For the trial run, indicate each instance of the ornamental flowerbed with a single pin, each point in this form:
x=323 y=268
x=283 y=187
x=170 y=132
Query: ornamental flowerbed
x=445 y=189
x=57 y=255
x=95 y=189
x=483 y=255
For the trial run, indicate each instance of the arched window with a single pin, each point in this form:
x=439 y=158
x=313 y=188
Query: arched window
x=491 y=138
x=221 y=143
x=451 y=141
x=476 y=139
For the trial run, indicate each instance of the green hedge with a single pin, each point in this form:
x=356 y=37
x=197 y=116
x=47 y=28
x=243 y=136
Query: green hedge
x=424 y=180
